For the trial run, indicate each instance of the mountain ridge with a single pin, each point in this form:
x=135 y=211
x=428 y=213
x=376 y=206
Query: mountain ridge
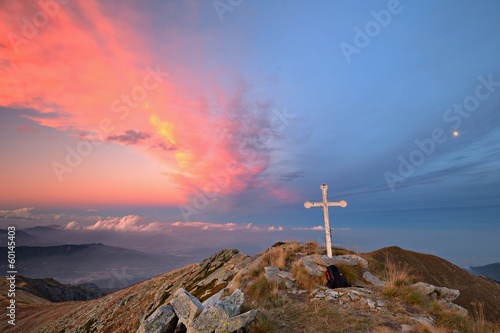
x=126 y=309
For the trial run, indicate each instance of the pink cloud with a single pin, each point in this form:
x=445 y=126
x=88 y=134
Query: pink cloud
x=99 y=77
x=28 y=129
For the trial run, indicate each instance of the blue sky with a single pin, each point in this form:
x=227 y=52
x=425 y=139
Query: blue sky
x=350 y=117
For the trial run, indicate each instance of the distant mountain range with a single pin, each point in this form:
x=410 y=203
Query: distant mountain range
x=491 y=270
x=28 y=291
x=106 y=266
x=26 y=239
x=150 y=242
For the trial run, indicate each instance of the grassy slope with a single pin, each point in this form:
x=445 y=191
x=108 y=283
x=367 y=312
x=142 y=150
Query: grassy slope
x=439 y=272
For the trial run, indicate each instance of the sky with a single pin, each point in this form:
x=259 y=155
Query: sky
x=229 y=114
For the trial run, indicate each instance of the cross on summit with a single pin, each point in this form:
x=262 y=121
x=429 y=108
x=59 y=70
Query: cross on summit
x=325 y=205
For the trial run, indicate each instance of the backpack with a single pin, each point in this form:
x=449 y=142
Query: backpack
x=335 y=278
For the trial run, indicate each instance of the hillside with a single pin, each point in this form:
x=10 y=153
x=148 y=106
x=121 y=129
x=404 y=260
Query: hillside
x=434 y=270
x=286 y=284
x=106 y=266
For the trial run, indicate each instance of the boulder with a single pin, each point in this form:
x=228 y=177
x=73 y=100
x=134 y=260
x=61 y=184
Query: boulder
x=352 y=257
x=311 y=266
x=424 y=287
x=272 y=274
x=163 y=320
x=335 y=260
x=369 y=277
x=286 y=275
x=208 y=320
x=443 y=292
x=447 y=293
x=271 y=269
x=289 y=284
x=236 y=323
x=231 y=304
x=218 y=314
x=186 y=306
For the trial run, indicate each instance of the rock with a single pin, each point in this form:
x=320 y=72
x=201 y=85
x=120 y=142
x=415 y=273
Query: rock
x=286 y=275
x=163 y=320
x=289 y=284
x=218 y=314
x=444 y=293
x=272 y=276
x=231 y=304
x=369 y=277
x=186 y=306
x=336 y=260
x=454 y=306
x=423 y=287
x=447 y=293
x=271 y=269
x=236 y=323
x=220 y=275
x=360 y=261
x=370 y=303
x=424 y=320
x=332 y=293
x=208 y=320
x=311 y=266
x=405 y=328
x=213 y=299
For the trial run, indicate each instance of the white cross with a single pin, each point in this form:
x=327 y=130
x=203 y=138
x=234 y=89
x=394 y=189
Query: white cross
x=325 y=205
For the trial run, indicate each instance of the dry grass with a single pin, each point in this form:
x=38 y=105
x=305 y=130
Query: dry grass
x=304 y=279
x=322 y=316
x=263 y=294
x=352 y=273
x=479 y=324
x=275 y=256
x=426 y=328
x=397 y=275
x=384 y=329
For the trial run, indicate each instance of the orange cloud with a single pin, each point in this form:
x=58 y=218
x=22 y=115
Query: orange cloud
x=95 y=74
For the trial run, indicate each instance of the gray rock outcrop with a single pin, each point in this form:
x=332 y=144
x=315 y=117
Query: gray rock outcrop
x=186 y=306
x=221 y=315
x=369 y=277
x=163 y=320
x=447 y=294
x=316 y=264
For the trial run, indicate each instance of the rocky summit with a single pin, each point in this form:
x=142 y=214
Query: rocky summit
x=282 y=289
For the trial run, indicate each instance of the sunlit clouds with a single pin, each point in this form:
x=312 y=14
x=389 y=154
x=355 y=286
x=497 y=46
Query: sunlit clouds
x=89 y=76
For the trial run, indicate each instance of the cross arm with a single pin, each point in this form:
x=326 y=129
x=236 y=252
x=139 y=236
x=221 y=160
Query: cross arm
x=308 y=204
x=342 y=203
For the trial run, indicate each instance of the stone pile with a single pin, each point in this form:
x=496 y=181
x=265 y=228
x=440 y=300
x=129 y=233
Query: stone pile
x=344 y=296
x=187 y=314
